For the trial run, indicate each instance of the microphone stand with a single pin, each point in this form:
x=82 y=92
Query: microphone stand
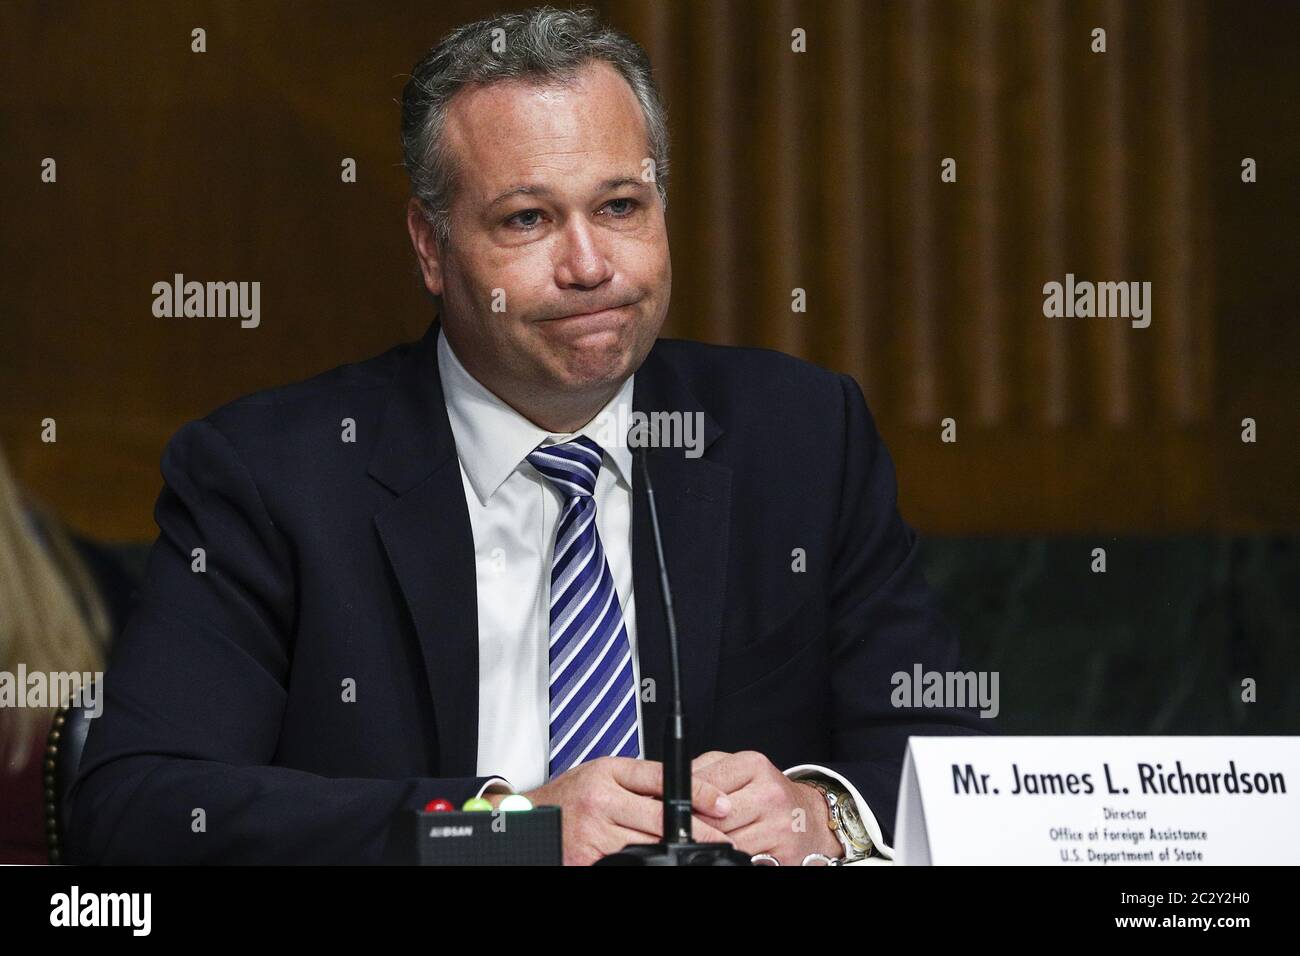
x=678 y=848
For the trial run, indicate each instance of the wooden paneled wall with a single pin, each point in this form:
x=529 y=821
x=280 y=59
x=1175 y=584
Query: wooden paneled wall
x=817 y=171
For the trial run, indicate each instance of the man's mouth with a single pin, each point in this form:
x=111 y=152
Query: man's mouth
x=596 y=315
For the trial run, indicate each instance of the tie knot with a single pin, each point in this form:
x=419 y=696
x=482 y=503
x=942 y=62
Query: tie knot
x=570 y=466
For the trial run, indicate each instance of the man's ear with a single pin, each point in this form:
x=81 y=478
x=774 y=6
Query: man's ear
x=426 y=248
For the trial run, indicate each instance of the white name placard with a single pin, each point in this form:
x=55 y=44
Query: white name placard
x=1101 y=801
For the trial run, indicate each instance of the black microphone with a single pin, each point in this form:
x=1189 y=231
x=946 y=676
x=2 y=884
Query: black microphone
x=678 y=848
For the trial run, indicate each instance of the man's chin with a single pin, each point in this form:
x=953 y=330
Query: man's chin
x=591 y=370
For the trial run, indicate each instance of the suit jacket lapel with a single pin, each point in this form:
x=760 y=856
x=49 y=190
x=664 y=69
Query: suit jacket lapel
x=426 y=534
x=693 y=499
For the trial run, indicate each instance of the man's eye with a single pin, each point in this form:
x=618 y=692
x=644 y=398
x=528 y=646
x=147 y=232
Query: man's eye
x=519 y=219
x=527 y=212
x=631 y=207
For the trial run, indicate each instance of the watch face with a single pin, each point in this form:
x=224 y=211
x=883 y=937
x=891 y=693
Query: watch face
x=854 y=828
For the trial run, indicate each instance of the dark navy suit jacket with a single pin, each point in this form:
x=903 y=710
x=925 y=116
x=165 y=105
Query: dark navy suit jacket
x=227 y=735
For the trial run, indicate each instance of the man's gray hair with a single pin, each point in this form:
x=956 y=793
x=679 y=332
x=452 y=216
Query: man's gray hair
x=542 y=44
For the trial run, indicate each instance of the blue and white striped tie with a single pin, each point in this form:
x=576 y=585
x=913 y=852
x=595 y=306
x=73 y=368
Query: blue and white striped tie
x=593 y=693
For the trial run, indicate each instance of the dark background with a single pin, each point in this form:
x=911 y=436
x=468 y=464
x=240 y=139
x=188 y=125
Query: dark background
x=818 y=171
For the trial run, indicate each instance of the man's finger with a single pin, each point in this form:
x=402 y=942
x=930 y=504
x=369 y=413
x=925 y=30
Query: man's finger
x=729 y=774
x=745 y=809
x=704 y=759
x=646 y=778
x=638 y=813
x=647 y=815
x=759 y=837
x=708 y=799
x=702 y=832
x=613 y=838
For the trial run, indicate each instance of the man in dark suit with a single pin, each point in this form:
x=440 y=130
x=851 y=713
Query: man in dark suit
x=431 y=574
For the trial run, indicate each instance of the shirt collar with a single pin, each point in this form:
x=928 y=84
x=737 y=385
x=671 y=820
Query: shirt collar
x=492 y=439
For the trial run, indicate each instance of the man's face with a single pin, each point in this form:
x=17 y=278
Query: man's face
x=587 y=237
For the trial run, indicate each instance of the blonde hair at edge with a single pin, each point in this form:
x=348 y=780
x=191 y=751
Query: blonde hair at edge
x=52 y=617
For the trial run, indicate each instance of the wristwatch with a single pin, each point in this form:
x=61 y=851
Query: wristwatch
x=843 y=819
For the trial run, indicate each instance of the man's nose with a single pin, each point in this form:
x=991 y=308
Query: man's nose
x=582 y=260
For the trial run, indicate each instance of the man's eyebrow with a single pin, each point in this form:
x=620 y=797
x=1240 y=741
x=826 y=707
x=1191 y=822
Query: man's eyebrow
x=535 y=189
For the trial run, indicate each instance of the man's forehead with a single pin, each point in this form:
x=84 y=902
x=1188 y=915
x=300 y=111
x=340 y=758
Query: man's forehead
x=595 y=91
x=520 y=132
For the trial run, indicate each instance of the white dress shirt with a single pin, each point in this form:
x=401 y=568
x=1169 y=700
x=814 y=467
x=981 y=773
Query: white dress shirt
x=513 y=512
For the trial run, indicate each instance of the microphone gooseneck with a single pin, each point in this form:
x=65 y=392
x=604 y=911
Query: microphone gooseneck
x=678 y=847
x=677 y=768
